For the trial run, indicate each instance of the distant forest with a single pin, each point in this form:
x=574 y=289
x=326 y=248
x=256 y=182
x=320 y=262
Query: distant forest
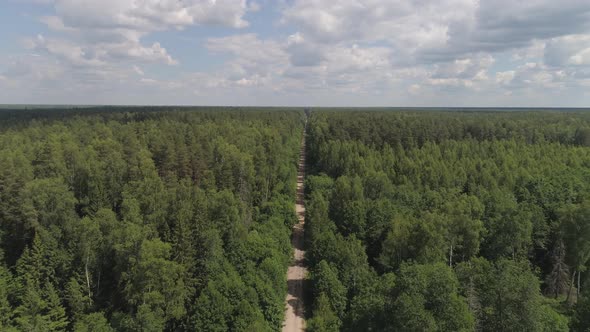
x=163 y=219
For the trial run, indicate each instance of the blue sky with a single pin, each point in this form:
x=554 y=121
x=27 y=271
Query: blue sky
x=296 y=52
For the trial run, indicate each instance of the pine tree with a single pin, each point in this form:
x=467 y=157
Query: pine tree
x=55 y=312
x=6 y=288
x=558 y=280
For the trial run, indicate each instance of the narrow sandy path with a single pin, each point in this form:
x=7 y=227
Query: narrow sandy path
x=294 y=315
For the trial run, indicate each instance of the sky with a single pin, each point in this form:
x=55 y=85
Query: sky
x=440 y=53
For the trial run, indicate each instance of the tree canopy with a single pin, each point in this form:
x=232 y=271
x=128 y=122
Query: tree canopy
x=179 y=219
x=133 y=219
x=448 y=221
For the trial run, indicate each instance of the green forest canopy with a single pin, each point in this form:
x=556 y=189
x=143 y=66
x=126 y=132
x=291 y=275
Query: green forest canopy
x=131 y=220
x=449 y=221
x=156 y=219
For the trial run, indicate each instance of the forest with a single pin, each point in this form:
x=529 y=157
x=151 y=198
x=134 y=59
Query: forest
x=449 y=221
x=132 y=219
x=180 y=219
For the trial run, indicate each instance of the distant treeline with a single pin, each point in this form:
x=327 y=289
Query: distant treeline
x=11 y=116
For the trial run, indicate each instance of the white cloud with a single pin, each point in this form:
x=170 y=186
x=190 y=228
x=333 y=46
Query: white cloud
x=149 y=15
x=440 y=44
x=100 y=54
x=407 y=26
x=65 y=50
x=255 y=60
x=572 y=50
x=95 y=45
x=438 y=30
x=505 y=77
x=138 y=70
x=357 y=59
x=153 y=53
x=110 y=31
x=535 y=76
x=56 y=24
x=303 y=53
x=346 y=51
x=535 y=50
x=465 y=68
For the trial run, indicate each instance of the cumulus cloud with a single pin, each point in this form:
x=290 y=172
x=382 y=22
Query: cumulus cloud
x=99 y=54
x=446 y=43
x=505 y=24
x=149 y=15
x=533 y=76
x=374 y=50
x=255 y=62
x=572 y=50
x=408 y=27
x=464 y=68
x=90 y=42
x=138 y=71
x=303 y=53
x=281 y=65
x=72 y=53
x=505 y=77
x=95 y=33
x=439 y=30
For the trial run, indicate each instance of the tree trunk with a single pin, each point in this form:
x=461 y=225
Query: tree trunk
x=578 y=290
x=569 y=293
x=98 y=283
x=87 y=277
x=451 y=257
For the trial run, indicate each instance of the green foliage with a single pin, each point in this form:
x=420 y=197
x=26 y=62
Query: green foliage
x=159 y=219
x=324 y=320
x=581 y=319
x=420 y=240
x=134 y=219
x=426 y=298
x=326 y=282
x=575 y=229
x=155 y=283
x=497 y=197
x=508 y=296
x=5 y=291
x=370 y=307
x=40 y=310
x=94 y=322
x=552 y=320
x=322 y=184
x=509 y=227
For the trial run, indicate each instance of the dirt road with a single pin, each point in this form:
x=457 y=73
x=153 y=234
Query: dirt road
x=294 y=315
